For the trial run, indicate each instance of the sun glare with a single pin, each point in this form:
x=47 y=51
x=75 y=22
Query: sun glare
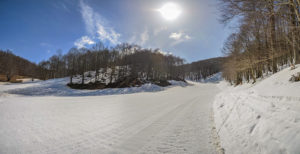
x=170 y=11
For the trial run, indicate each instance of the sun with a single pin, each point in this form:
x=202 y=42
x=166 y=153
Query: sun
x=170 y=11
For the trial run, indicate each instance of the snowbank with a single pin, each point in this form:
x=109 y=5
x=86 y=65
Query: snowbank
x=260 y=118
x=57 y=87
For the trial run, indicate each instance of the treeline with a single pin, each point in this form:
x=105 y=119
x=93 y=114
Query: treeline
x=202 y=69
x=268 y=37
x=124 y=60
x=11 y=65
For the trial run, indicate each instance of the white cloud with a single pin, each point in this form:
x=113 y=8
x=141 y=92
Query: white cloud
x=96 y=25
x=187 y=37
x=87 y=15
x=179 y=37
x=83 y=41
x=144 y=37
x=107 y=34
x=176 y=36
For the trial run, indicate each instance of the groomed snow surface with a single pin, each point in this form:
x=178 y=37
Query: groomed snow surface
x=42 y=117
x=49 y=117
x=263 y=118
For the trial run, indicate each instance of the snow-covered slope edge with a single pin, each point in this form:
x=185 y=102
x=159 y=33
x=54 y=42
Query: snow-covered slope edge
x=58 y=87
x=260 y=118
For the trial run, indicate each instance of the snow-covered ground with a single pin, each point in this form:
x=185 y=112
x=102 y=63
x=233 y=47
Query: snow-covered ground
x=263 y=118
x=58 y=87
x=45 y=119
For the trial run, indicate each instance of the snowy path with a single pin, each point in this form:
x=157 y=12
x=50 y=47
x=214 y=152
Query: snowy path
x=176 y=120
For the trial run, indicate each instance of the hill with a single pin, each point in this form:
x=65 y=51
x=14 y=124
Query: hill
x=200 y=70
x=13 y=67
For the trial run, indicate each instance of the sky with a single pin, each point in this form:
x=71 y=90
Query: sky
x=37 y=29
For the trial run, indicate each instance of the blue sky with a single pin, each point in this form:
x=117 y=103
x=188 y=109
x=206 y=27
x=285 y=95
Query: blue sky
x=36 y=29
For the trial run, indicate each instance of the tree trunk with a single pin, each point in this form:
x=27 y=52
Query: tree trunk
x=272 y=35
x=293 y=28
x=82 y=81
x=71 y=79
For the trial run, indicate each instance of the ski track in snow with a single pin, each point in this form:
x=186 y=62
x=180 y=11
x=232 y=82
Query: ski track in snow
x=176 y=120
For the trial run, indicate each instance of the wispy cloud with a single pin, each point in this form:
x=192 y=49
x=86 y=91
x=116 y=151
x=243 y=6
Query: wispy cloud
x=175 y=36
x=144 y=37
x=179 y=37
x=44 y=44
x=83 y=42
x=141 y=38
x=61 y=5
x=87 y=14
x=158 y=30
x=109 y=34
x=96 y=25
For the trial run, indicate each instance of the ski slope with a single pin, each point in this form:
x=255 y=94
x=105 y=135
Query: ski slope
x=175 y=120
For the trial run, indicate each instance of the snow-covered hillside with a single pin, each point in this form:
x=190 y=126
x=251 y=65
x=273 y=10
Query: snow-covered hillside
x=215 y=78
x=260 y=118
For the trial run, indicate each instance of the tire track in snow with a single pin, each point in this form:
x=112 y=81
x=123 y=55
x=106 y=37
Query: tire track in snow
x=143 y=136
x=171 y=121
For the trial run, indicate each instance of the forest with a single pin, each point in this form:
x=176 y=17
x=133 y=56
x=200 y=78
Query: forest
x=122 y=63
x=267 y=38
x=200 y=70
x=11 y=65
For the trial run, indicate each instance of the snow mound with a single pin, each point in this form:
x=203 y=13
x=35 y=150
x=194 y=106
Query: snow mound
x=260 y=118
x=57 y=87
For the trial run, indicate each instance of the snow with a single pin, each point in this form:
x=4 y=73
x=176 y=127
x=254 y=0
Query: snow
x=103 y=76
x=58 y=87
x=260 y=118
x=45 y=119
x=215 y=78
x=49 y=117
